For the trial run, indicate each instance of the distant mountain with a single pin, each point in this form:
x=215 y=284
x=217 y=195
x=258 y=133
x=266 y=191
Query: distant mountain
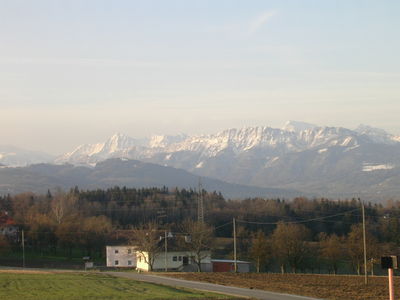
x=331 y=161
x=117 y=146
x=377 y=135
x=122 y=172
x=14 y=156
x=293 y=137
x=297 y=126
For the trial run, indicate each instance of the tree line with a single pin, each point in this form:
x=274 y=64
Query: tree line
x=296 y=234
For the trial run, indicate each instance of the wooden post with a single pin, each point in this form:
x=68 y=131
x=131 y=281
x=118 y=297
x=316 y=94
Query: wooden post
x=23 y=249
x=234 y=244
x=391 y=289
x=364 y=243
x=166 y=251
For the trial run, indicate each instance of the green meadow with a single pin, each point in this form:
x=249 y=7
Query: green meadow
x=88 y=286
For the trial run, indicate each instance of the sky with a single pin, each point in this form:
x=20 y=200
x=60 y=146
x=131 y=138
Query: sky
x=78 y=71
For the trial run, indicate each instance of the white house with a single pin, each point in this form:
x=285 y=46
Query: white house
x=8 y=227
x=174 y=261
x=10 y=231
x=121 y=256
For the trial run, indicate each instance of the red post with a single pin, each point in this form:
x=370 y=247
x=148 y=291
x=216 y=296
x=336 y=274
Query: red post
x=391 y=290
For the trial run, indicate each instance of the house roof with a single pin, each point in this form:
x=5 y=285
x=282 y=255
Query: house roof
x=5 y=219
x=230 y=261
x=134 y=247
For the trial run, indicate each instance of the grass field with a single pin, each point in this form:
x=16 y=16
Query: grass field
x=320 y=286
x=47 y=285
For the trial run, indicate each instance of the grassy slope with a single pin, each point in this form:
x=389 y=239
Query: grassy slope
x=86 y=286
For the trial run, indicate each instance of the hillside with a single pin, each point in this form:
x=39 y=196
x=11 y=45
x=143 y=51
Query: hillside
x=121 y=172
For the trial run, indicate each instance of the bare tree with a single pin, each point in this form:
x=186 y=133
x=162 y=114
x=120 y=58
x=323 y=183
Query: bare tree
x=62 y=206
x=260 y=250
x=96 y=230
x=356 y=249
x=199 y=241
x=289 y=245
x=331 y=249
x=243 y=240
x=58 y=208
x=147 y=238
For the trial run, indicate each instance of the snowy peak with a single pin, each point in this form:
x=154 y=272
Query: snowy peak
x=118 y=142
x=294 y=137
x=296 y=126
x=377 y=135
x=118 y=145
x=235 y=140
x=160 y=141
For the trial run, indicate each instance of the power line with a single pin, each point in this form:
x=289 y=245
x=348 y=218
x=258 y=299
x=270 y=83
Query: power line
x=297 y=222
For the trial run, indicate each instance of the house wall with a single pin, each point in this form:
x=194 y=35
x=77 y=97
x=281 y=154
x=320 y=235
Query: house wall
x=141 y=259
x=206 y=267
x=9 y=230
x=175 y=261
x=121 y=254
x=222 y=267
x=230 y=267
x=243 y=268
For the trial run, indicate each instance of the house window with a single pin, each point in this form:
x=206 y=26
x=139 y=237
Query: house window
x=180 y=258
x=175 y=258
x=116 y=263
x=129 y=263
x=116 y=251
x=129 y=251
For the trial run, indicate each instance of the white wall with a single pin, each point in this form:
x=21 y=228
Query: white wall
x=122 y=254
x=159 y=262
x=141 y=259
x=243 y=268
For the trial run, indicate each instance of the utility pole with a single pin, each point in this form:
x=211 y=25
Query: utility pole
x=23 y=249
x=166 y=250
x=365 y=242
x=200 y=204
x=234 y=244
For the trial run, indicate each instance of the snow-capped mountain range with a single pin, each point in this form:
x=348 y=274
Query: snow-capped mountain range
x=319 y=160
x=293 y=137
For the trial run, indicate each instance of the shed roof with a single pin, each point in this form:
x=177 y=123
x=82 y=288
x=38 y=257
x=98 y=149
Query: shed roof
x=230 y=261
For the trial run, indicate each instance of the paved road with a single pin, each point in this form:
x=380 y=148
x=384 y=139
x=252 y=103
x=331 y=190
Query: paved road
x=234 y=291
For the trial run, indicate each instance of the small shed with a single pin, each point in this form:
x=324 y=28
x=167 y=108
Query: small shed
x=228 y=265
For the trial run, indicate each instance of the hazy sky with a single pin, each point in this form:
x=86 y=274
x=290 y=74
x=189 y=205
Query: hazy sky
x=78 y=71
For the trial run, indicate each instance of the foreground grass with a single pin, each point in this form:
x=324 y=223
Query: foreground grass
x=43 y=286
x=318 y=286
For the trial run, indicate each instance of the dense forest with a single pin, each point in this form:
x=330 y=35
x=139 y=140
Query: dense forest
x=292 y=233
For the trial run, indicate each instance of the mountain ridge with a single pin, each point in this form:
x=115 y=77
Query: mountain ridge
x=293 y=137
x=39 y=178
x=328 y=161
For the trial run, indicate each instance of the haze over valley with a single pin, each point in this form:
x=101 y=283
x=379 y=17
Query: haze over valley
x=299 y=158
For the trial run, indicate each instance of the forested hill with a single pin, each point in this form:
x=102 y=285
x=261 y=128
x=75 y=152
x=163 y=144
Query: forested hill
x=126 y=207
x=121 y=172
x=84 y=221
